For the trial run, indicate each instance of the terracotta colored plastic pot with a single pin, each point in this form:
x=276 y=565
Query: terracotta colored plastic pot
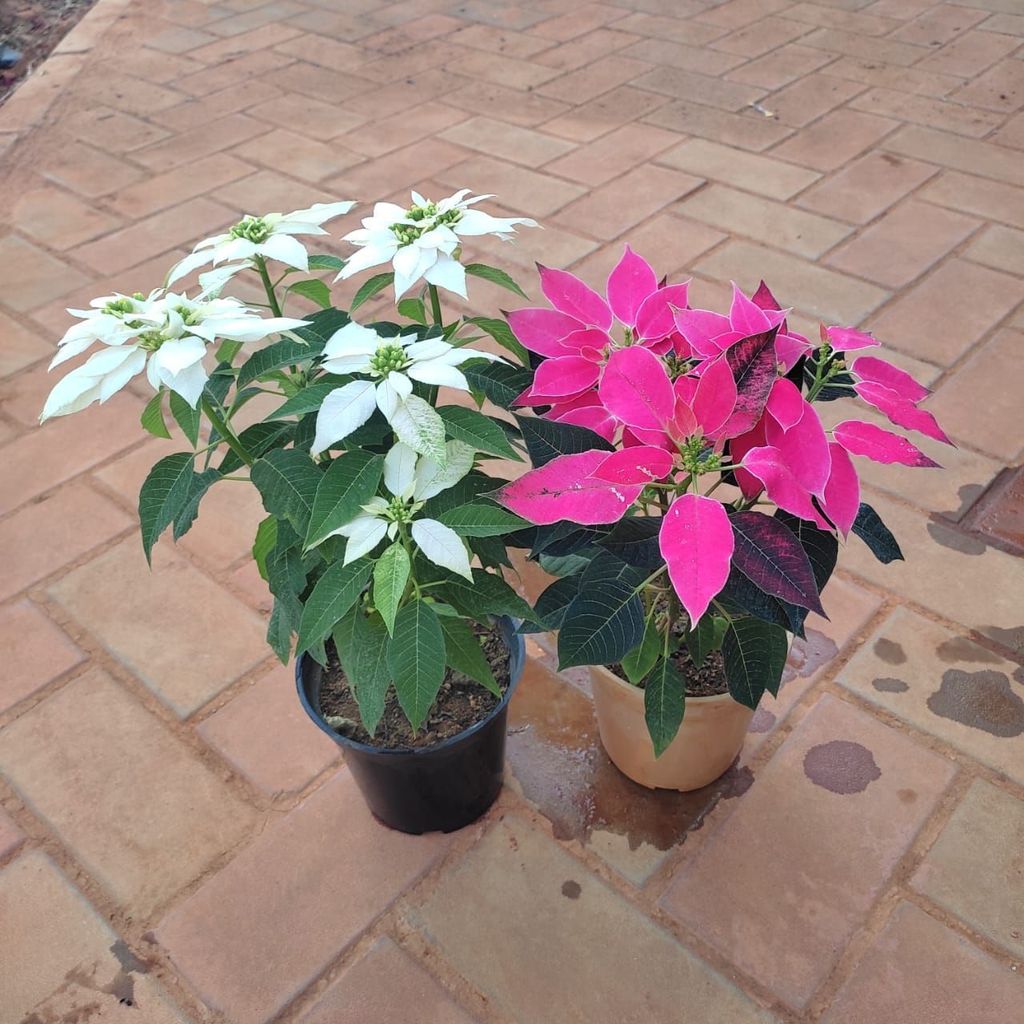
x=439 y=788
x=707 y=742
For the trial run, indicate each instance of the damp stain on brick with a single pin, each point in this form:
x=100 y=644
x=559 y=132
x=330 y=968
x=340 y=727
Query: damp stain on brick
x=964 y=543
x=886 y=684
x=571 y=889
x=959 y=648
x=808 y=655
x=555 y=757
x=762 y=721
x=980 y=700
x=889 y=651
x=841 y=766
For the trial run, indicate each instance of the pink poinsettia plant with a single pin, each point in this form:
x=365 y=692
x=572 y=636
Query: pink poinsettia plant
x=685 y=489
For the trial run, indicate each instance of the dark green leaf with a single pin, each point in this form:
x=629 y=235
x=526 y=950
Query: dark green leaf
x=286 y=352
x=186 y=417
x=287 y=481
x=547 y=439
x=482 y=519
x=349 y=483
x=870 y=528
x=468 y=489
x=163 y=496
x=257 y=440
x=704 y=638
x=664 y=704
x=605 y=620
x=820 y=546
x=755 y=654
x=495 y=276
x=309 y=399
x=479 y=430
x=280 y=630
x=320 y=326
x=499 y=382
x=201 y=483
x=491 y=551
x=335 y=592
x=550 y=606
x=741 y=597
x=463 y=653
x=369 y=288
x=390 y=575
x=152 y=418
x=643 y=657
x=314 y=290
x=362 y=645
x=416 y=660
x=487 y=595
x=323 y=261
x=502 y=334
x=636 y=541
x=266 y=538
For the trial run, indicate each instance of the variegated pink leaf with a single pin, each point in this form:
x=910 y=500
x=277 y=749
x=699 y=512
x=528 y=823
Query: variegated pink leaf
x=715 y=397
x=629 y=284
x=785 y=403
x=633 y=437
x=738 y=448
x=842 y=492
x=769 y=465
x=655 y=318
x=700 y=328
x=804 y=448
x=901 y=412
x=565 y=376
x=639 y=465
x=590 y=343
x=636 y=388
x=747 y=317
x=543 y=330
x=849 y=339
x=697 y=544
x=565 y=488
x=789 y=348
x=881 y=372
x=568 y=294
x=593 y=417
x=873 y=442
x=752 y=362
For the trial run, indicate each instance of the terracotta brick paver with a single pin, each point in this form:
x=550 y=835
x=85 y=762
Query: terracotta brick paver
x=179 y=845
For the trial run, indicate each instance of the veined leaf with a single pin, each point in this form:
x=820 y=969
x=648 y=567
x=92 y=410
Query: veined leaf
x=644 y=656
x=463 y=653
x=186 y=417
x=664 y=704
x=870 y=528
x=417 y=424
x=201 y=483
x=755 y=654
x=287 y=481
x=481 y=519
x=550 y=606
x=309 y=399
x=547 y=439
x=479 y=430
x=350 y=482
x=152 y=418
x=163 y=495
x=286 y=352
x=487 y=595
x=416 y=658
x=369 y=288
x=495 y=276
x=324 y=261
x=266 y=538
x=501 y=383
x=390 y=575
x=502 y=334
x=413 y=309
x=635 y=541
x=314 y=290
x=705 y=638
x=257 y=440
x=362 y=645
x=334 y=594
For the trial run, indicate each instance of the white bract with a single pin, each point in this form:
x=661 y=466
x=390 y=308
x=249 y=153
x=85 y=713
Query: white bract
x=421 y=241
x=165 y=335
x=270 y=237
x=392 y=364
x=411 y=480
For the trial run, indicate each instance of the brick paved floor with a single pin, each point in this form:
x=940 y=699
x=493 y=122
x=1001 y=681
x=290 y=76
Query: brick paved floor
x=177 y=843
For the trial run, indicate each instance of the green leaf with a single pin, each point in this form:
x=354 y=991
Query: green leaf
x=362 y=645
x=481 y=519
x=320 y=326
x=416 y=660
x=495 y=276
x=479 y=430
x=200 y=484
x=266 y=538
x=755 y=654
x=349 y=483
x=547 y=439
x=280 y=630
x=390 y=575
x=314 y=290
x=413 y=309
x=605 y=620
x=463 y=653
x=664 y=704
x=163 y=495
x=488 y=594
x=549 y=608
x=643 y=657
x=152 y=418
x=369 y=288
x=257 y=440
x=869 y=527
x=469 y=488
x=323 y=261
x=704 y=638
x=286 y=352
x=335 y=592
x=502 y=334
x=287 y=481
x=499 y=382
x=186 y=417
x=417 y=424
x=308 y=400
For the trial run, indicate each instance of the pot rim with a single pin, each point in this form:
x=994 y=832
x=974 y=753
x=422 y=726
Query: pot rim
x=516 y=644
x=710 y=698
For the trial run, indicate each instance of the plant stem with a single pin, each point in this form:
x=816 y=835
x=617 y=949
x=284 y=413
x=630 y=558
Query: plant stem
x=217 y=419
x=268 y=285
x=435 y=305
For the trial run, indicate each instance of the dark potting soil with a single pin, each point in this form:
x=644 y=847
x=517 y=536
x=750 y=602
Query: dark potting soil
x=461 y=702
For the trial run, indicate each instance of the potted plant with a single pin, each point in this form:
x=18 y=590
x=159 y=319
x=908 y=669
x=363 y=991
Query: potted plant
x=406 y=653
x=690 y=501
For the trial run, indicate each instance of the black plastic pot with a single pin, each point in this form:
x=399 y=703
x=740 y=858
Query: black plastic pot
x=431 y=789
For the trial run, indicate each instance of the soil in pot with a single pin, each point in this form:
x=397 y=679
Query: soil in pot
x=461 y=702
x=707 y=681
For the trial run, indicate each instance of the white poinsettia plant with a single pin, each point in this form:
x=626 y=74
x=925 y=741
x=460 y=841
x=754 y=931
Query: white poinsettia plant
x=379 y=537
